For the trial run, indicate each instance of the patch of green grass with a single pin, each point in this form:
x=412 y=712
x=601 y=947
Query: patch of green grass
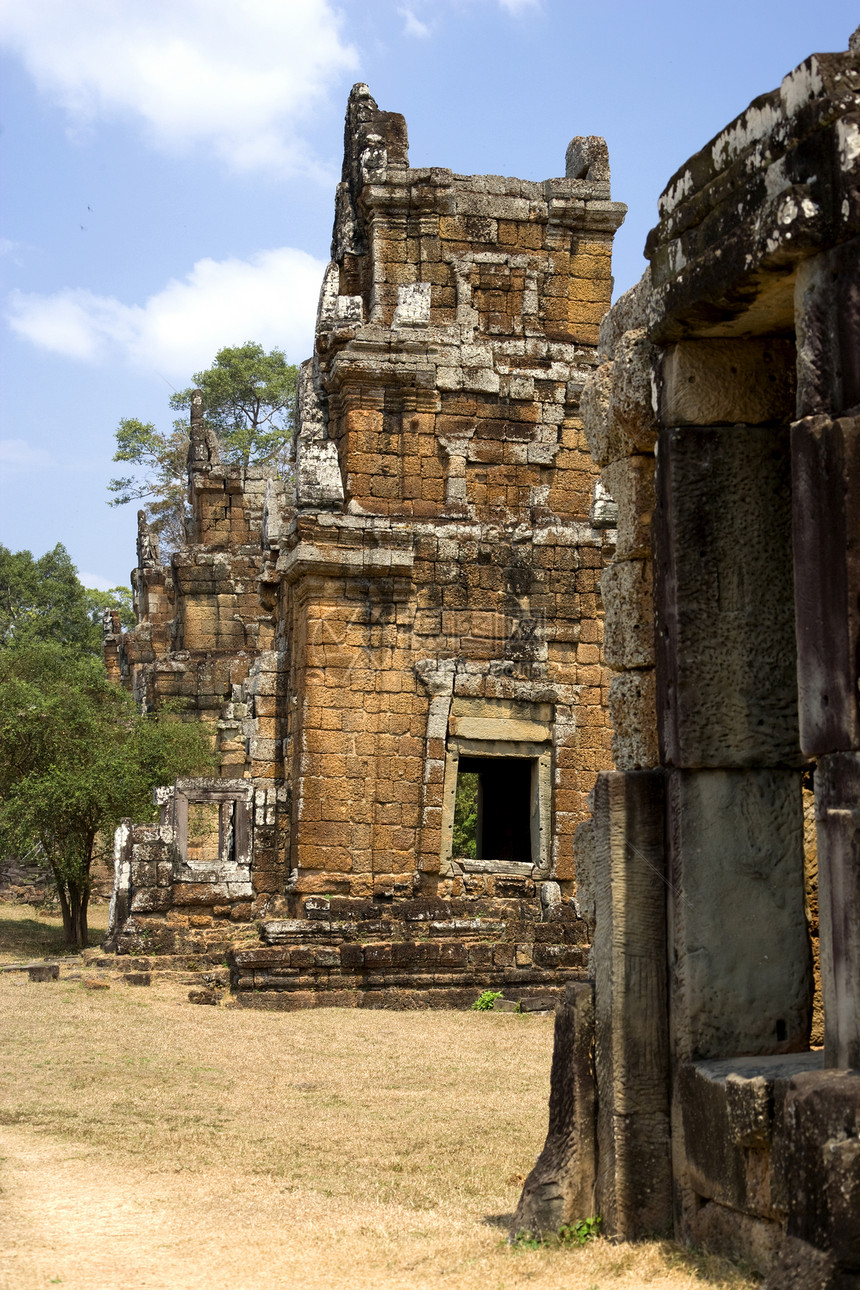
x=485 y=1001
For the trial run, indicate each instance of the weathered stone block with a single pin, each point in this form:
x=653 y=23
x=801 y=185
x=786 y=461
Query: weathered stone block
x=633 y=420
x=628 y=599
x=731 y=1111
x=726 y=1232
x=820 y=1163
x=560 y=1187
x=630 y=482
x=724 y=382
x=837 y=817
x=633 y=714
x=797 y=1265
x=827 y=310
x=727 y=687
x=618 y=402
x=825 y=463
x=629 y=963
x=741 y=978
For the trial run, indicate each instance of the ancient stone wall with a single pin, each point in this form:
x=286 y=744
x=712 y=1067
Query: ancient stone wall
x=725 y=420
x=428 y=594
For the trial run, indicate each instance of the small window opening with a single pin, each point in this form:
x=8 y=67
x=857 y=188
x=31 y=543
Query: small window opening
x=204 y=832
x=493 y=808
x=211 y=833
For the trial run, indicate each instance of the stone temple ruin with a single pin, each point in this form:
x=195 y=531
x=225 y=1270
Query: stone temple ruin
x=426 y=605
x=422 y=604
x=725 y=416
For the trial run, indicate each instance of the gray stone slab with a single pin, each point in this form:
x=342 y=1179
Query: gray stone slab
x=837 y=817
x=727 y=687
x=825 y=463
x=741 y=976
x=631 y=1025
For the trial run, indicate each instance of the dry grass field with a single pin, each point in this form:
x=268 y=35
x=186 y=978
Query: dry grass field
x=29 y=932
x=150 y=1144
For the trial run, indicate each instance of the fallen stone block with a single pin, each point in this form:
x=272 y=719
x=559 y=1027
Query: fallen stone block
x=204 y=996
x=94 y=983
x=506 y=1005
x=537 y=1005
x=138 y=978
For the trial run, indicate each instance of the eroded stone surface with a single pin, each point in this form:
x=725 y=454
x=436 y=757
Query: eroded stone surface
x=754 y=260
x=424 y=599
x=742 y=979
x=727 y=683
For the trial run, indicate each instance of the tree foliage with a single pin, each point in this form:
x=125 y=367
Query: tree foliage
x=248 y=399
x=160 y=481
x=42 y=599
x=76 y=756
x=117 y=598
x=465 y=839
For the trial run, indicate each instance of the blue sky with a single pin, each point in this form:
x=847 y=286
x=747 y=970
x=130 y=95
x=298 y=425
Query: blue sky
x=169 y=173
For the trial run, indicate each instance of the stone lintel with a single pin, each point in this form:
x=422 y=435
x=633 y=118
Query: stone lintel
x=332 y=561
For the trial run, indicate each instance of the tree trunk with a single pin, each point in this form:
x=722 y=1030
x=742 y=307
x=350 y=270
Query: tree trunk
x=74 y=900
x=79 y=895
x=68 y=931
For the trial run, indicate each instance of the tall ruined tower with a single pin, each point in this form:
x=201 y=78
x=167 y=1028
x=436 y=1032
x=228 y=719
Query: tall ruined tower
x=438 y=589
x=430 y=593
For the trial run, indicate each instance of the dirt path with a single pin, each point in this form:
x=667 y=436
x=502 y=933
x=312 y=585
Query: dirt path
x=148 y=1144
x=70 y=1218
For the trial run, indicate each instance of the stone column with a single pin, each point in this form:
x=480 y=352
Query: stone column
x=837 y=813
x=825 y=445
x=560 y=1187
x=631 y=1039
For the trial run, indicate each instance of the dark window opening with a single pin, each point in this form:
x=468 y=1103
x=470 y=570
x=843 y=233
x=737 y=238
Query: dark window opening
x=493 y=809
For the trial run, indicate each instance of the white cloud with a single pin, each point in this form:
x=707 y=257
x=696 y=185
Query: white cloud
x=95 y=582
x=270 y=298
x=239 y=76
x=413 y=26
x=17 y=454
x=517 y=7
x=10 y=250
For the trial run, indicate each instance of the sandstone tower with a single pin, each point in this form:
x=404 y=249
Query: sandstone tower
x=423 y=603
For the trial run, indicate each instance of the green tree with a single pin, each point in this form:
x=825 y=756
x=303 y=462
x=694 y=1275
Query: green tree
x=465 y=839
x=248 y=397
x=76 y=756
x=42 y=599
x=161 y=481
x=118 y=598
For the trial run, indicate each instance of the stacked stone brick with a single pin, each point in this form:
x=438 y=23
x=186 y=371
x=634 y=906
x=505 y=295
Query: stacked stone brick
x=725 y=420
x=200 y=624
x=428 y=595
